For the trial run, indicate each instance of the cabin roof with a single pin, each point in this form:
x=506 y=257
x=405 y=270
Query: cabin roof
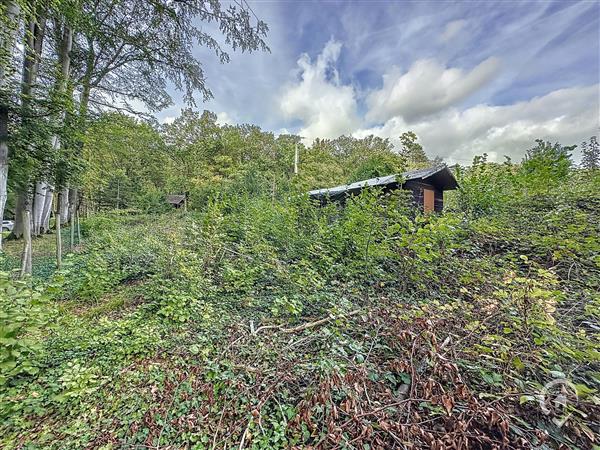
x=175 y=199
x=439 y=176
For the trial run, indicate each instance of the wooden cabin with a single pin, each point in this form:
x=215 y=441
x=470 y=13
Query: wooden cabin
x=176 y=200
x=427 y=185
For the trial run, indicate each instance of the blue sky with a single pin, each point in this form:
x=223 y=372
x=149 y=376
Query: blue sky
x=467 y=77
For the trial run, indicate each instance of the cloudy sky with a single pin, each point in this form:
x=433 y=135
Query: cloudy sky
x=466 y=77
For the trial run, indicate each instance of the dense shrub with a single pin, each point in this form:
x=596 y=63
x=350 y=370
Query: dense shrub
x=282 y=323
x=25 y=314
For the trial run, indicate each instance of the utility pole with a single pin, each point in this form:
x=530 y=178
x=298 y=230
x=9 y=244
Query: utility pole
x=296 y=160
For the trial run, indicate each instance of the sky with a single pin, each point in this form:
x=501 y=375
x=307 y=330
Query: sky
x=467 y=77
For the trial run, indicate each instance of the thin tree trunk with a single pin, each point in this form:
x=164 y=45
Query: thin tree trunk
x=73 y=205
x=59 y=194
x=78 y=229
x=39 y=201
x=64 y=206
x=26 y=255
x=72 y=233
x=63 y=50
x=47 y=209
x=7 y=43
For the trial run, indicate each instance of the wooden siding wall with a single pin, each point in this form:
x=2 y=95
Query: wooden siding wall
x=417 y=189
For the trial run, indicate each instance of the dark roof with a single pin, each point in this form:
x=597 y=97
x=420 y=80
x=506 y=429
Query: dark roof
x=175 y=199
x=441 y=176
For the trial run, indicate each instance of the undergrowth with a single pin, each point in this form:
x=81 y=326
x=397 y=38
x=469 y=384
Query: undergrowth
x=278 y=324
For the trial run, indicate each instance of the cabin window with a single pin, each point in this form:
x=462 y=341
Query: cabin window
x=428 y=200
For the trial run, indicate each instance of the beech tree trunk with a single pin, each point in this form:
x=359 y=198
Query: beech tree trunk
x=34 y=37
x=18 y=229
x=63 y=205
x=7 y=43
x=39 y=201
x=64 y=59
x=45 y=227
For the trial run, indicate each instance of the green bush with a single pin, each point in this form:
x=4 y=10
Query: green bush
x=25 y=314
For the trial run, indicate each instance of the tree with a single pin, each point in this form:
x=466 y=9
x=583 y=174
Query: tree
x=590 y=154
x=130 y=50
x=34 y=33
x=9 y=12
x=545 y=164
x=194 y=146
x=413 y=152
x=485 y=187
x=125 y=164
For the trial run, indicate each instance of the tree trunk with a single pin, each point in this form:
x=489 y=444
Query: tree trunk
x=26 y=255
x=18 y=228
x=64 y=59
x=39 y=201
x=45 y=228
x=7 y=43
x=34 y=37
x=64 y=206
x=78 y=229
x=57 y=217
x=73 y=207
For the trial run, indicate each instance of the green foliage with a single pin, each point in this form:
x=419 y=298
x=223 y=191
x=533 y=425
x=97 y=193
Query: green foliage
x=378 y=165
x=197 y=156
x=274 y=320
x=484 y=187
x=25 y=314
x=590 y=154
x=413 y=152
x=124 y=164
x=545 y=164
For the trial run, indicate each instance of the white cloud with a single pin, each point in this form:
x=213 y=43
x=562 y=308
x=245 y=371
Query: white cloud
x=427 y=100
x=169 y=119
x=452 y=29
x=325 y=106
x=565 y=115
x=224 y=119
x=427 y=88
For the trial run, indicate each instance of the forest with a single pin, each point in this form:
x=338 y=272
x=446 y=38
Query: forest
x=253 y=316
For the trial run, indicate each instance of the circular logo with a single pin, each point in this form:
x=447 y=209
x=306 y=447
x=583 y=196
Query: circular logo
x=555 y=398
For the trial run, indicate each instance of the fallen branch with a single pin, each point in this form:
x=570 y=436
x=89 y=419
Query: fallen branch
x=306 y=325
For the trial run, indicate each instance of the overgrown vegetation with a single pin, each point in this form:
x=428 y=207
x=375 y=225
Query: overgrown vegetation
x=262 y=322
